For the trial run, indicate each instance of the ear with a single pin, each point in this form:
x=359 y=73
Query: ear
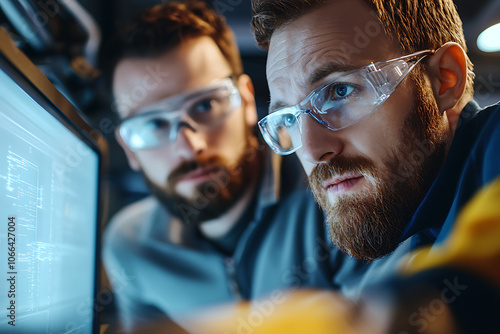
x=448 y=75
x=247 y=93
x=132 y=160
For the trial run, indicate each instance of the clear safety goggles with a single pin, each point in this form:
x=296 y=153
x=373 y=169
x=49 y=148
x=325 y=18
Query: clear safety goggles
x=203 y=109
x=339 y=103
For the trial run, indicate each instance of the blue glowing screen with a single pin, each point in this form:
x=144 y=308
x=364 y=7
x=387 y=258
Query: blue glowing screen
x=48 y=214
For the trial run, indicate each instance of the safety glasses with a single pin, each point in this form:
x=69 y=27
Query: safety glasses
x=339 y=103
x=203 y=109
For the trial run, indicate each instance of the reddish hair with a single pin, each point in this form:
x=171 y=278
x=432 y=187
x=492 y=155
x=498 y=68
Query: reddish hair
x=417 y=25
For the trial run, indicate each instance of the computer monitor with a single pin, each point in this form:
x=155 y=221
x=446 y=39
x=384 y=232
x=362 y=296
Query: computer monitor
x=49 y=205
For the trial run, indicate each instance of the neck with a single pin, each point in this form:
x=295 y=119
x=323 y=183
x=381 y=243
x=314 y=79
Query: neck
x=220 y=226
x=454 y=113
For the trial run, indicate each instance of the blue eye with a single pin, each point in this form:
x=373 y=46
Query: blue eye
x=341 y=91
x=203 y=106
x=289 y=120
x=158 y=124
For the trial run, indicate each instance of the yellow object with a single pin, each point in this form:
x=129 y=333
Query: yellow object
x=293 y=312
x=474 y=242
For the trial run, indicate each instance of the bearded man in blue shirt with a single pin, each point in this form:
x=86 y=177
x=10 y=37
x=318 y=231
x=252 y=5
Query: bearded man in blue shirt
x=375 y=98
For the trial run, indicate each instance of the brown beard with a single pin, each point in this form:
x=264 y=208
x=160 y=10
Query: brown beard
x=370 y=225
x=213 y=198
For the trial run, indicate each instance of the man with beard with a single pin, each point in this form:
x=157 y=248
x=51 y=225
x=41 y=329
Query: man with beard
x=375 y=97
x=214 y=231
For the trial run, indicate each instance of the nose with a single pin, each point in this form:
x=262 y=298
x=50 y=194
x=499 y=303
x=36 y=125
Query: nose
x=188 y=142
x=319 y=144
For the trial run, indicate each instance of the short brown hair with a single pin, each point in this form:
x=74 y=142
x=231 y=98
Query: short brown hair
x=417 y=25
x=164 y=27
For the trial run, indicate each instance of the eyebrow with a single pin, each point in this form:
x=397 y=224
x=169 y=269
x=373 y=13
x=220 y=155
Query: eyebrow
x=275 y=106
x=316 y=76
x=328 y=69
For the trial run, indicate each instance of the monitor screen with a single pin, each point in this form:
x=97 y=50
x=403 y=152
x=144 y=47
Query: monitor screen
x=49 y=186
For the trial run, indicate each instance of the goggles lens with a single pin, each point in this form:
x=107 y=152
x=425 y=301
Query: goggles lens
x=201 y=110
x=339 y=103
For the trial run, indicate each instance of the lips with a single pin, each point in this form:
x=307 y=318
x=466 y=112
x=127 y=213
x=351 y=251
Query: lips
x=199 y=173
x=341 y=183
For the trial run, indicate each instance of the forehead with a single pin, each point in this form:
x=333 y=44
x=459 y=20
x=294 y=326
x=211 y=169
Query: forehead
x=138 y=82
x=343 y=33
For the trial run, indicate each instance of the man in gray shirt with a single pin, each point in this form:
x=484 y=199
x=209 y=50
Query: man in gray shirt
x=213 y=231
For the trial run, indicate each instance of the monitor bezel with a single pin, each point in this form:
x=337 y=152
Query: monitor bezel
x=17 y=65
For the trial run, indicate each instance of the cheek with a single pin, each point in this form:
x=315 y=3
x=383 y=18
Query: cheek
x=155 y=164
x=374 y=143
x=306 y=165
x=380 y=134
x=229 y=140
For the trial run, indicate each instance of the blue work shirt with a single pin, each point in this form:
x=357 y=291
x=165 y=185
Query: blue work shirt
x=472 y=162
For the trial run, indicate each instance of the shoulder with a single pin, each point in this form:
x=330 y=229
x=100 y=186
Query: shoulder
x=297 y=201
x=298 y=210
x=124 y=249
x=487 y=121
x=487 y=148
x=478 y=143
x=492 y=126
x=125 y=227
